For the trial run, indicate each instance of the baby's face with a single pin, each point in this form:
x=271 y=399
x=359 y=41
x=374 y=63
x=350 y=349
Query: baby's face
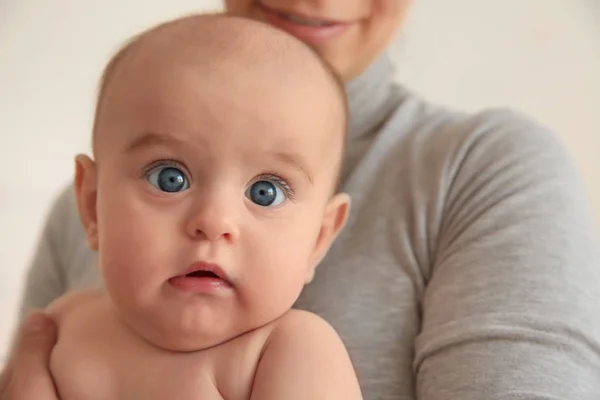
x=213 y=185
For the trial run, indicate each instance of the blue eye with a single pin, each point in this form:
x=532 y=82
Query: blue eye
x=168 y=179
x=265 y=193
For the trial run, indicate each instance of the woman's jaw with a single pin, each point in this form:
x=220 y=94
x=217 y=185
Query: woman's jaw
x=349 y=34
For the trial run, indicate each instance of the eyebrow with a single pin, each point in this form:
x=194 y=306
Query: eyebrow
x=152 y=139
x=294 y=161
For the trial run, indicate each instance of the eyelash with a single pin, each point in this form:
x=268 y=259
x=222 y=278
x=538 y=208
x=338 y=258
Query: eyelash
x=164 y=163
x=290 y=193
x=287 y=188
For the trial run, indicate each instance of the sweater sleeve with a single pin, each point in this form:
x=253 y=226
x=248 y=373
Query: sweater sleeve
x=46 y=277
x=512 y=307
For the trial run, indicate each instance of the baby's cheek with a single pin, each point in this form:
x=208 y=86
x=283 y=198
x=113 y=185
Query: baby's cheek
x=285 y=257
x=134 y=245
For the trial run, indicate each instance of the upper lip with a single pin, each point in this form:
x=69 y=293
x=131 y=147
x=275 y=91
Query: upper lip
x=208 y=267
x=300 y=15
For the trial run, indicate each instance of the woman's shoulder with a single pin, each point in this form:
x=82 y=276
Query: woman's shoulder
x=63 y=224
x=416 y=119
x=65 y=242
x=502 y=132
x=433 y=138
x=63 y=203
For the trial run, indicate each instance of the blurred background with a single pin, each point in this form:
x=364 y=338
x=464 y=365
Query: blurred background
x=539 y=56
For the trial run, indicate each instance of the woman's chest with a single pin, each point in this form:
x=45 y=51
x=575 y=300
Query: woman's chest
x=370 y=288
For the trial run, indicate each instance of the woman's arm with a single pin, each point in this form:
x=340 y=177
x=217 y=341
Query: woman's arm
x=512 y=310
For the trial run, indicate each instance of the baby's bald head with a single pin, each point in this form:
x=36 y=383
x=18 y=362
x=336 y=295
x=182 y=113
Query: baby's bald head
x=214 y=43
x=216 y=134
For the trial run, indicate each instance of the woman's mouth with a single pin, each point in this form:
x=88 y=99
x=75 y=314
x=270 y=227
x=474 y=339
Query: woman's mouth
x=312 y=31
x=304 y=21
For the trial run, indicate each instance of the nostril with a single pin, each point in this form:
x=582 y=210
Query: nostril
x=199 y=233
x=210 y=226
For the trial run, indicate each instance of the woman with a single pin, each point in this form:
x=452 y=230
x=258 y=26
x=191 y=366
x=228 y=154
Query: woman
x=469 y=267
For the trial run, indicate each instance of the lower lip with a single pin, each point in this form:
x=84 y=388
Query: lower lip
x=199 y=284
x=312 y=35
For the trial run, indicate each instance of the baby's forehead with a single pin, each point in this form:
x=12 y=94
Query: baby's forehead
x=259 y=70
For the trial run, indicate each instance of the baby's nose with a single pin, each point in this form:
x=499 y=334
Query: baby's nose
x=213 y=220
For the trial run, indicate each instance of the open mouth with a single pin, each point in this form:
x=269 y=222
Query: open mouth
x=202 y=274
x=206 y=271
x=202 y=277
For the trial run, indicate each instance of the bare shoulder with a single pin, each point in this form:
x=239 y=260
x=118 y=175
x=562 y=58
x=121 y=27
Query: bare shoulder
x=72 y=301
x=304 y=357
x=303 y=325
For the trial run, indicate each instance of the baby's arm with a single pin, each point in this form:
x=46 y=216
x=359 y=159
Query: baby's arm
x=304 y=358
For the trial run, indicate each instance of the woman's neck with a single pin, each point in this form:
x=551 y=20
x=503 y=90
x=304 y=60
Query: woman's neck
x=367 y=96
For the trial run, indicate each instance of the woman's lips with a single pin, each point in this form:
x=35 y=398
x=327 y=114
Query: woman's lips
x=202 y=278
x=310 y=31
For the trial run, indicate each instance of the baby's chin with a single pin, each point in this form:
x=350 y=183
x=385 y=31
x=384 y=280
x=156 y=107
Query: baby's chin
x=177 y=337
x=183 y=341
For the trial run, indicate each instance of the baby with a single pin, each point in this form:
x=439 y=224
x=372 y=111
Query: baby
x=210 y=200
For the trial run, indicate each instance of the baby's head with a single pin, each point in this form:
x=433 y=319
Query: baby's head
x=211 y=200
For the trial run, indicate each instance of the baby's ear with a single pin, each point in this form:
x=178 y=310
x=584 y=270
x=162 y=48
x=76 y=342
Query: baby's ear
x=336 y=214
x=85 y=194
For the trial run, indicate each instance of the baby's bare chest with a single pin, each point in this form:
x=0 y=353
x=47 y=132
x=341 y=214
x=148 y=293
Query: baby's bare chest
x=101 y=360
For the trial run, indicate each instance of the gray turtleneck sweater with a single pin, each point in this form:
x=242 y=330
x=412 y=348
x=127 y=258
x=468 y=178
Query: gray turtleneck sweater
x=469 y=268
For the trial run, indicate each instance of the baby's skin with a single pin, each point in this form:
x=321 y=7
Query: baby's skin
x=210 y=199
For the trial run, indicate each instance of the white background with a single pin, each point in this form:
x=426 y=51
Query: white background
x=540 y=56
